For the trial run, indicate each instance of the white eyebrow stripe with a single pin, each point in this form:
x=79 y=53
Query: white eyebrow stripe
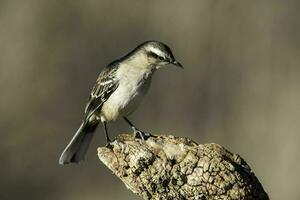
x=156 y=51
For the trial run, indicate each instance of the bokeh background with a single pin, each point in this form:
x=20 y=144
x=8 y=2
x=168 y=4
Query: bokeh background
x=240 y=87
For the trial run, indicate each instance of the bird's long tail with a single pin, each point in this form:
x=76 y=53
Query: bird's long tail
x=78 y=146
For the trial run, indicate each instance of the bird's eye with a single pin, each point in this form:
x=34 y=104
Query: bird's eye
x=161 y=58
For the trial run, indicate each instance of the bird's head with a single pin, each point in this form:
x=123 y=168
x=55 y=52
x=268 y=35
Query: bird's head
x=154 y=54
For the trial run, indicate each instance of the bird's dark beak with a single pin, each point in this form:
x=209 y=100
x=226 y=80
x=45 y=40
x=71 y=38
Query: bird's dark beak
x=176 y=63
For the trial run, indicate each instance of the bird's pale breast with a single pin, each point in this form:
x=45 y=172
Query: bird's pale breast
x=133 y=85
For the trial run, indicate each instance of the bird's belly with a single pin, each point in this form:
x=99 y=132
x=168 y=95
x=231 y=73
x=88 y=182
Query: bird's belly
x=123 y=101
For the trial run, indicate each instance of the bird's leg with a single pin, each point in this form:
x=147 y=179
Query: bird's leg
x=143 y=135
x=108 y=141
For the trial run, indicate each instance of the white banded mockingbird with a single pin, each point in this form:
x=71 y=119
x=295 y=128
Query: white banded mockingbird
x=118 y=91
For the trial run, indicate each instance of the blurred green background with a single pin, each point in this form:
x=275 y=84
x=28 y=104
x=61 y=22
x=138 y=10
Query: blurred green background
x=240 y=87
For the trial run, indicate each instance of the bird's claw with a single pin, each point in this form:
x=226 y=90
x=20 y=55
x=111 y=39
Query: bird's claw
x=140 y=134
x=108 y=145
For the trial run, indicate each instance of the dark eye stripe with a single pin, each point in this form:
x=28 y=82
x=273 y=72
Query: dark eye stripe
x=155 y=56
x=151 y=54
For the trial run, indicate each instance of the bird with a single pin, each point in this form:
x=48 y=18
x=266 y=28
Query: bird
x=118 y=91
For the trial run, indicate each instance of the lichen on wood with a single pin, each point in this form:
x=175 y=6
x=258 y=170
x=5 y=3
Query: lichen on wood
x=168 y=167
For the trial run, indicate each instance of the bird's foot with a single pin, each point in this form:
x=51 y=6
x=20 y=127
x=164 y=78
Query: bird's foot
x=140 y=134
x=108 y=144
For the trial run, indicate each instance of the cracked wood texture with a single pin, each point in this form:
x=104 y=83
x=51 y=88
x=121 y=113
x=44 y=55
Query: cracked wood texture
x=168 y=167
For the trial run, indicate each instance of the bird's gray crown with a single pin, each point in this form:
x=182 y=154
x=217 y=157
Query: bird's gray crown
x=159 y=53
x=157 y=50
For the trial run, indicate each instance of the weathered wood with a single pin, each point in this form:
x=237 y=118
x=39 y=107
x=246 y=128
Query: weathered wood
x=168 y=167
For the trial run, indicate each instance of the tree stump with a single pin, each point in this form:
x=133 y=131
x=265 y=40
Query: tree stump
x=168 y=167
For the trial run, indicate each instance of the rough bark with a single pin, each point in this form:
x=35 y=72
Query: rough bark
x=168 y=167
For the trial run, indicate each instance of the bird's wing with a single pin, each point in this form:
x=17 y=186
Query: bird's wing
x=105 y=85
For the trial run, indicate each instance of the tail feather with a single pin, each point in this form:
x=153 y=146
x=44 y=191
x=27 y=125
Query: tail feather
x=78 y=146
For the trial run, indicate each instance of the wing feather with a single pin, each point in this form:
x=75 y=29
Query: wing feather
x=105 y=85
